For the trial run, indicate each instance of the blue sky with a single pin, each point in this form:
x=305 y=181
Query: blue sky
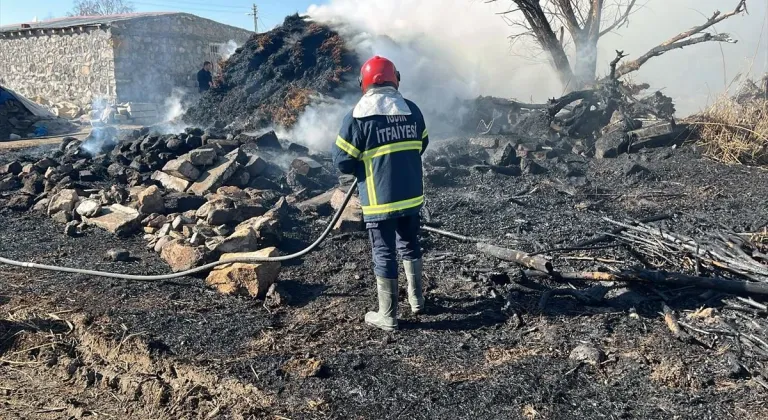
x=232 y=12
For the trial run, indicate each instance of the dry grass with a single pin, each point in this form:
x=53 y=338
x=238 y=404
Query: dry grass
x=734 y=129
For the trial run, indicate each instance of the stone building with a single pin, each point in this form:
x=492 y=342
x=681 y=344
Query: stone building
x=140 y=57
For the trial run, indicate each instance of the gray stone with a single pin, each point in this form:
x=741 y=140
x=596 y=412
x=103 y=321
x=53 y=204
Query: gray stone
x=632 y=169
x=11 y=168
x=89 y=208
x=215 y=177
x=72 y=229
x=267 y=140
x=306 y=166
x=505 y=156
x=20 y=202
x=64 y=201
x=587 y=353
x=118 y=255
x=240 y=179
x=530 y=167
x=14 y=136
x=62 y=217
x=171 y=182
x=611 y=145
x=486 y=142
x=203 y=156
x=255 y=165
x=320 y=204
x=182 y=168
x=116 y=219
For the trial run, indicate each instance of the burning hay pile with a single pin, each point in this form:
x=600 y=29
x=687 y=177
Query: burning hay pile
x=275 y=75
x=197 y=196
x=735 y=129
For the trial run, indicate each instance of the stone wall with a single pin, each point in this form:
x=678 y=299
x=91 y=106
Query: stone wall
x=68 y=67
x=155 y=55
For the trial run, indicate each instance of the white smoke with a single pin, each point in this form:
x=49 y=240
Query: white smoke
x=445 y=50
x=228 y=49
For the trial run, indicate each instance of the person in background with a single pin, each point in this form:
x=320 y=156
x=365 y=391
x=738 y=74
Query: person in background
x=381 y=142
x=204 y=78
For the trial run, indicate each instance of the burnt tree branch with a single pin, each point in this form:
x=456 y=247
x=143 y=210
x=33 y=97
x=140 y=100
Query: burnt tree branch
x=684 y=39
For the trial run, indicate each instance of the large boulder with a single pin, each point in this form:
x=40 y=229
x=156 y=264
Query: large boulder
x=171 y=182
x=243 y=278
x=182 y=168
x=151 y=201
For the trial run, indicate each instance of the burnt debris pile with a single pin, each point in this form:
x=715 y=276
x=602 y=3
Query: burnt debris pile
x=275 y=75
x=604 y=121
x=196 y=195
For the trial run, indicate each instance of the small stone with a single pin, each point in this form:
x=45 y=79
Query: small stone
x=505 y=156
x=89 y=208
x=72 y=229
x=118 y=255
x=162 y=242
x=485 y=142
x=64 y=201
x=20 y=202
x=181 y=256
x=215 y=177
x=243 y=240
x=11 y=168
x=588 y=354
x=62 y=217
x=267 y=140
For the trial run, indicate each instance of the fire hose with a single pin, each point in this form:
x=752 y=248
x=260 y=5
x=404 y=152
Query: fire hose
x=205 y=267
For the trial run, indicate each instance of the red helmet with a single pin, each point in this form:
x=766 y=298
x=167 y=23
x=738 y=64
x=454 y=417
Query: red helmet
x=378 y=71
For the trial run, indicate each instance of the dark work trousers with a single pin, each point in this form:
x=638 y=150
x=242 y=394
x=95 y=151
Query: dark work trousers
x=388 y=236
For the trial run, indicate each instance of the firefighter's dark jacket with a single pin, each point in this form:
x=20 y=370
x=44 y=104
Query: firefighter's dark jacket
x=384 y=153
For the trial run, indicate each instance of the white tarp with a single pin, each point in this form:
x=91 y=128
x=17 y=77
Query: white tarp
x=36 y=109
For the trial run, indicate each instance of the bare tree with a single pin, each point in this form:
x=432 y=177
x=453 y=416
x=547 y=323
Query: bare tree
x=558 y=26
x=101 y=7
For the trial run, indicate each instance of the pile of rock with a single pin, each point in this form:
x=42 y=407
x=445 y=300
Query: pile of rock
x=16 y=122
x=195 y=198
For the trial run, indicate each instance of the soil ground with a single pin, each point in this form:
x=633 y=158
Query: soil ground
x=73 y=346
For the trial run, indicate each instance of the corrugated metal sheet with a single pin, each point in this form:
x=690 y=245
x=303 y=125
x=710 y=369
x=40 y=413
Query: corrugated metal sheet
x=70 y=22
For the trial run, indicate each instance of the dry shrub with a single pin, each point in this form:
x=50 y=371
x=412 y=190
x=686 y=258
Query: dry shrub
x=263 y=41
x=735 y=129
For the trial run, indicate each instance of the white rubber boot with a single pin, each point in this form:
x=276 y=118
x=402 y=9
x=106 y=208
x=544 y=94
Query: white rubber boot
x=386 y=317
x=415 y=296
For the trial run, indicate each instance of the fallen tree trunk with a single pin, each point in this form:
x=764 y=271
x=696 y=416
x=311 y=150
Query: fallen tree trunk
x=517 y=257
x=663 y=278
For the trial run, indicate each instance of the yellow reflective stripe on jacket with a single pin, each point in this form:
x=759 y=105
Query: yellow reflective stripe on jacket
x=392 y=148
x=424 y=134
x=393 y=207
x=370 y=185
x=347 y=147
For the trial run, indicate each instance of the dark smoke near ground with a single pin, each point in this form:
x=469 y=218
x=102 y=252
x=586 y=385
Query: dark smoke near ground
x=275 y=76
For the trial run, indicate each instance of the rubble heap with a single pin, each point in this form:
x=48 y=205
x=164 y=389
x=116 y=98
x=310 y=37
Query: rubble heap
x=274 y=76
x=197 y=195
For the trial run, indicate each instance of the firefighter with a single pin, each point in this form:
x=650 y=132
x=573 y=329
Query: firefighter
x=381 y=142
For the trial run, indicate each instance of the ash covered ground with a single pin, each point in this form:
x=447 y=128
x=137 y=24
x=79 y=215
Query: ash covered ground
x=76 y=345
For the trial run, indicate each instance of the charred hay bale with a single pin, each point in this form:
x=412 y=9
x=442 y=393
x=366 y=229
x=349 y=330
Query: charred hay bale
x=275 y=75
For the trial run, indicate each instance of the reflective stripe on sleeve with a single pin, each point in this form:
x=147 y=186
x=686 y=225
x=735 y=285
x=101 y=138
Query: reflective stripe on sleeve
x=392 y=148
x=346 y=146
x=424 y=134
